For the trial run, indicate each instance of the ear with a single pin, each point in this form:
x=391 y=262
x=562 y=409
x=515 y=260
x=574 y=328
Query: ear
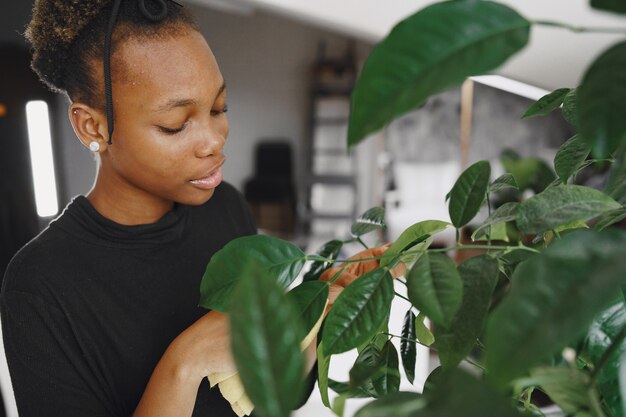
x=89 y=125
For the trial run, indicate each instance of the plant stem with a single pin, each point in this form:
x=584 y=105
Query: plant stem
x=402 y=281
x=358 y=239
x=489 y=214
x=337 y=275
x=578 y=29
x=476 y=364
x=595 y=404
x=346 y=261
x=469 y=247
x=403 y=297
x=407 y=339
x=617 y=342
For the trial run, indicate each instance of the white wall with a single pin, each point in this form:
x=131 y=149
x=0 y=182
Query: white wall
x=555 y=58
x=265 y=60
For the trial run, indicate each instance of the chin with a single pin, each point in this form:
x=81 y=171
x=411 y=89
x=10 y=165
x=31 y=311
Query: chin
x=198 y=199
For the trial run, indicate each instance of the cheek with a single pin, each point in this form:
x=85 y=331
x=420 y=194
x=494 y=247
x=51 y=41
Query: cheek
x=150 y=155
x=224 y=127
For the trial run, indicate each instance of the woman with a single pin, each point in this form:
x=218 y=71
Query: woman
x=99 y=311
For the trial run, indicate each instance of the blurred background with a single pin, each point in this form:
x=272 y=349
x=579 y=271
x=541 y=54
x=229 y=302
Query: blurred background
x=290 y=67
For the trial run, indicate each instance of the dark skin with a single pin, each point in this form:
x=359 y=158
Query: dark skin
x=170 y=131
x=151 y=162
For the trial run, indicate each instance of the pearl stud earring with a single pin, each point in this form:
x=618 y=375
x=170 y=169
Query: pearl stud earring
x=94 y=146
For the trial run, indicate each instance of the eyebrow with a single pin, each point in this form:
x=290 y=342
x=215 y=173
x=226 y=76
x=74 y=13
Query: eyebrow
x=184 y=102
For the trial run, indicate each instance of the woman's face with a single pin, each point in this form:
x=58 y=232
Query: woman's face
x=169 y=101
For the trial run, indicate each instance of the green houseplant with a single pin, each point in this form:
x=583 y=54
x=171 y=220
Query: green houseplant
x=559 y=322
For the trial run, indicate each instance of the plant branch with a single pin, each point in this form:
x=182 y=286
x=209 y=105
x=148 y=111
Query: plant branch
x=489 y=214
x=358 y=239
x=595 y=404
x=403 y=297
x=469 y=247
x=403 y=282
x=347 y=261
x=337 y=275
x=578 y=29
x=407 y=339
x=617 y=342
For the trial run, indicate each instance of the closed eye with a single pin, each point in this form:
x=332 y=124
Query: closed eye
x=220 y=111
x=170 y=131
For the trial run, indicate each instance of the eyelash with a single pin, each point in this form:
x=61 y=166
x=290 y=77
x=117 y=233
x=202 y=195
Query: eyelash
x=223 y=110
x=169 y=131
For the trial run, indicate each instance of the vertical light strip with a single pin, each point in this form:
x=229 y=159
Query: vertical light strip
x=41 y=160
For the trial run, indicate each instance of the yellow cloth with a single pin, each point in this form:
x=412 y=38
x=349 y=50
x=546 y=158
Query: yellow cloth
x=231 y=387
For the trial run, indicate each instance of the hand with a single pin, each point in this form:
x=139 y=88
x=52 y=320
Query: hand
x=204 y=347
x=357 y=269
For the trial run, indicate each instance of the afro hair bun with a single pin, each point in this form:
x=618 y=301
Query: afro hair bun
x=54 y=26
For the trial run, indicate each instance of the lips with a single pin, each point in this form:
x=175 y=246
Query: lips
x=211 y=180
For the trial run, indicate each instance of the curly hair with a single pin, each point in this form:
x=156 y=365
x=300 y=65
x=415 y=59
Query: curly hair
x=67 y=39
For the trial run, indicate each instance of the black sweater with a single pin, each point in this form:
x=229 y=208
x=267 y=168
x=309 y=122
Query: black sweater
x=89 y=306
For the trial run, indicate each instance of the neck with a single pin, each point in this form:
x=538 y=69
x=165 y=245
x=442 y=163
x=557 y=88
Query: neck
x=125 y=204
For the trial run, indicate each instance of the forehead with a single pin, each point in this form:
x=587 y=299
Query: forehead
x=180 y=65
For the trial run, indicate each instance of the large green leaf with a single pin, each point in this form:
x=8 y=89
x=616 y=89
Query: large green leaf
x=553 y=299
x=602 y=102
x=408 y=345
x=479 y=275
x=265 y=339
x=369 y=221
x=436 y=48
x=435 y=287
x=358 y=312
x=505 y=213
x=389 y=380
x=570 y=157
x=546 y=104
x=601 y=335
x=274 y=257
x=562 y=205
x=399 y=404
x=413 y=235
x=617 y=6
x=468 y=193
x=616 y=184
x=330 y=250
x=310 y=300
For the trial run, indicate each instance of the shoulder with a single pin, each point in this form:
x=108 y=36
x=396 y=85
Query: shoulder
x=27 y=268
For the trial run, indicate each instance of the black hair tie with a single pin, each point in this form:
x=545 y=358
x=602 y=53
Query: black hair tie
x=108 y=89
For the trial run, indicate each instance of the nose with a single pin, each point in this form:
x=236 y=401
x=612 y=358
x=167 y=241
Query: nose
x=211 y=141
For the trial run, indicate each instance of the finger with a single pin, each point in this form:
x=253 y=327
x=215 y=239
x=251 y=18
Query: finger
x=346 y=279
x=399 y=270
x=333 y=292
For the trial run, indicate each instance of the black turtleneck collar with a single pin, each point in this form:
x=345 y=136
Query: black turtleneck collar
x=83 y=221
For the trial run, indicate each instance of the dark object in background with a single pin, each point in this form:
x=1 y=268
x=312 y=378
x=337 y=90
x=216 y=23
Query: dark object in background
x=271 y=192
